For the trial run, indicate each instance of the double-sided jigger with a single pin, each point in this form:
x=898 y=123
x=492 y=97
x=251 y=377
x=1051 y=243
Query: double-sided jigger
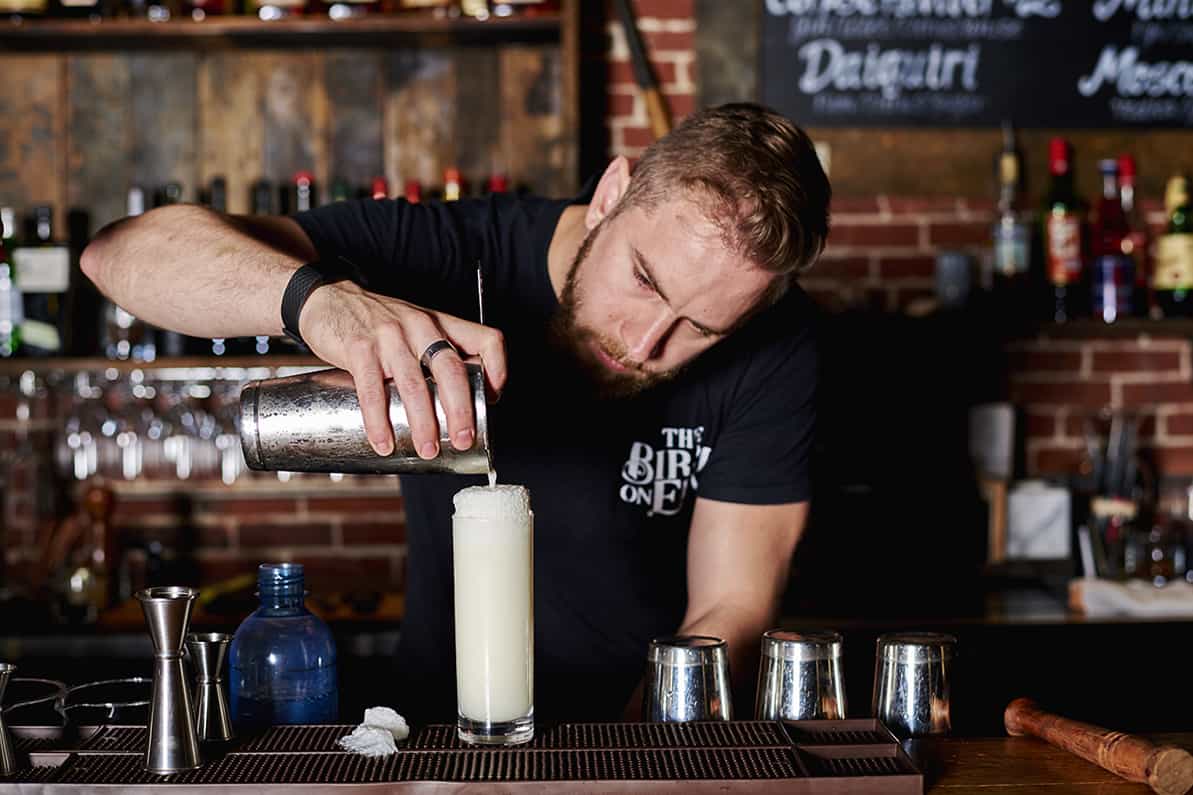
x=8 y=761
x=687 y=679
x=173 y=745
x=799 y=677
x=208 y=652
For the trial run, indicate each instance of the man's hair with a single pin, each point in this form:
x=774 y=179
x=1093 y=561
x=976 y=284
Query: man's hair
x=755 y=173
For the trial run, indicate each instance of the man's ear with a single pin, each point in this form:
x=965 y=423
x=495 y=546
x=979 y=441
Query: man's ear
x=609 y=191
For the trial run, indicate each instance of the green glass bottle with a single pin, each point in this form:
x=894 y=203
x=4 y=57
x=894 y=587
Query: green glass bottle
x=1172 y=280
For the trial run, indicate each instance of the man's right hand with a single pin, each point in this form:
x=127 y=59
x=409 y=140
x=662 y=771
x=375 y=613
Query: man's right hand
x=375 y=338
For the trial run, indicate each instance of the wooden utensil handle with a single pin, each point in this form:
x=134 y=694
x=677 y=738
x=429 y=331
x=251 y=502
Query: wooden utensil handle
x=1166 y=769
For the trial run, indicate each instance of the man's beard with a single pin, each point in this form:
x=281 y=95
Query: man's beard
x=575 y=341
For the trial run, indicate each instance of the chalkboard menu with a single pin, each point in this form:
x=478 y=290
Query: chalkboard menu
x=1037 y=63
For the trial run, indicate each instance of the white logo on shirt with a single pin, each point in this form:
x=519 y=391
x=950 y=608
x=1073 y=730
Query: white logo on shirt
x=659 y=478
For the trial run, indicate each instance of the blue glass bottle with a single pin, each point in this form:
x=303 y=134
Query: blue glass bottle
x=282 y=663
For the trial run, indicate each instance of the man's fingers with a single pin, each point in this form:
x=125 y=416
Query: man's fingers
x=412 y=388
x=374 y=399
x=451 y=382
x=486 y=342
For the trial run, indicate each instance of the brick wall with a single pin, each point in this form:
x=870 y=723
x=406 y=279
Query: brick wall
x=668 y=30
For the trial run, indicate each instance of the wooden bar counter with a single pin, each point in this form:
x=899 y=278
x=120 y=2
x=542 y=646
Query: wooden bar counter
x=1014 y=765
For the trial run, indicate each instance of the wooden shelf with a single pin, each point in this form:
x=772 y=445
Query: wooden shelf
x=60 y=35
x=224 y=364
x=1130 y=328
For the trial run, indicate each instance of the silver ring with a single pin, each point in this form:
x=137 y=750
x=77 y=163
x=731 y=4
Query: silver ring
x=436 y=347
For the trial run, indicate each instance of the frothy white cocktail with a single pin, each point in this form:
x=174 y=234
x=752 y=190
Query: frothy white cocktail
x=492 y=538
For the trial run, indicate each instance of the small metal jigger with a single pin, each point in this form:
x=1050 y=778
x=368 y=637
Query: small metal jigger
x=173 y=746
x=8 y=759
x=208 y=651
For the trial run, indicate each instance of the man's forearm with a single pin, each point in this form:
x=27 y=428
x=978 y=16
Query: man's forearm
x=197 y=271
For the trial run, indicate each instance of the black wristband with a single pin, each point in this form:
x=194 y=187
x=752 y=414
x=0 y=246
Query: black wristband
x=298 y=290
x=303 y=283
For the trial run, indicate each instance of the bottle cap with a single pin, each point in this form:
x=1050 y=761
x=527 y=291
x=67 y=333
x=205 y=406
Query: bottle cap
x=380 y=188
x=1058 y=156
x=1126 y=167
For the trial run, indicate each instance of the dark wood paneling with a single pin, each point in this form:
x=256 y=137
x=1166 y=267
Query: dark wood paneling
x=961 y=162
x=32 y=132
x=354 y=81
x=293 y=108
x=262 y=114
x=726 y=51
x=534 y=139
x=100 y=138
x=478 y=113
x=230 y=125
x=164 y=120
x=420 y=116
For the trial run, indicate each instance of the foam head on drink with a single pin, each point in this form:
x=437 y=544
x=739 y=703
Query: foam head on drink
x=492 y=537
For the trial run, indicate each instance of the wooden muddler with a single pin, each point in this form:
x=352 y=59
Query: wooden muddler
x=1166 y=769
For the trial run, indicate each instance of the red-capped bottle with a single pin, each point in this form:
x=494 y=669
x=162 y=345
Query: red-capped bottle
x=451 y=185
x=498 y=183
x=1064 y=244
x=412 y=190
x=1112 y=271
x=380 y=188
x=1136 y=244
x=304 y=191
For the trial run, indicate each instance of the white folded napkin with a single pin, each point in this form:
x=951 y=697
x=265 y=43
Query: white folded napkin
x=376 y=736
x=1138 y=598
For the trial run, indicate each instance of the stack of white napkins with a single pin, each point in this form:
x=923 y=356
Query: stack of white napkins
x=377 y=734
x=1138 y=598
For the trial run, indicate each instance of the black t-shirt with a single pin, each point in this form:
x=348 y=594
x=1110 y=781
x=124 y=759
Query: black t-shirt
x=612 y=483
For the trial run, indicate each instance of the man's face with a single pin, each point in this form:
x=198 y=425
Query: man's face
x=648 y=292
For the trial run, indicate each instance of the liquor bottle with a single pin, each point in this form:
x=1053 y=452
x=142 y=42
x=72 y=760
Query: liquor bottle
x=12 y=306
x=261 y=198
x=1172 y=280
x=1112 y=271
x=43 y=272
x=498 y=183
x=217 y=194
x=349 y=9
x=340 y=190
x=84 y=302
x=380 y=188
x=170 y=193
x=1136 y=244
x=412 y=190
x=451 y=185
x=270 y=10
x=199 y=10
x=1064 y=249
x=123 y=335
x=1011 y=235
x=304 y=191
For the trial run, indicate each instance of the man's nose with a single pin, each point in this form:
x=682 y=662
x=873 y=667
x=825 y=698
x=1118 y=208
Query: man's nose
x=644 y=341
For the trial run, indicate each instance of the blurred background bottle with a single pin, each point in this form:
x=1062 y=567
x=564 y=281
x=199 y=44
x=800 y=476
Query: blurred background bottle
x=1112 y=270
x=43 y=272
x=1136 y=244
x=1064 y=250
x=12 y=307
x=1011 y=235
x=1172 y=280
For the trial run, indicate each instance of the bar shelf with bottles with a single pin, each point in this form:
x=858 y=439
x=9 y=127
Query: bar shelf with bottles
x=1081 y=269
x=140 y=24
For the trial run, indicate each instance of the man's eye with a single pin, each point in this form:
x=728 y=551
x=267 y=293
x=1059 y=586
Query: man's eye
x=641 y=279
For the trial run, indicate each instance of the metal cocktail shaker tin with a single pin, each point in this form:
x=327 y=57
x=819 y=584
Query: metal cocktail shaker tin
x=799 y=677
x=312 y=423
x=687 y=679
x=911 y=683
